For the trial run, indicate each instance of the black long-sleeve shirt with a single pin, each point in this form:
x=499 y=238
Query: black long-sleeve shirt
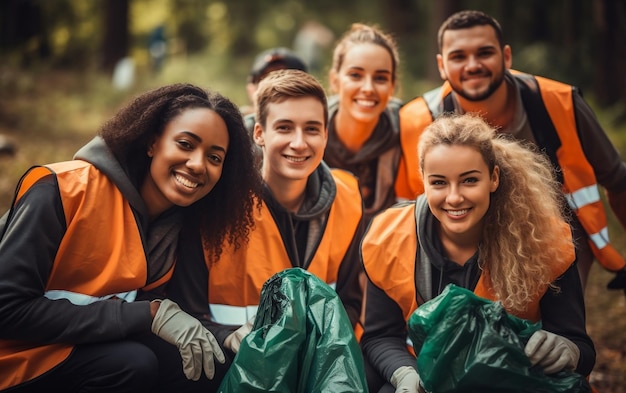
x=385 y=337
x=189 y=284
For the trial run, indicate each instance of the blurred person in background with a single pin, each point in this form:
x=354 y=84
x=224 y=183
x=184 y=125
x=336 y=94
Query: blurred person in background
x=279 y=58
x=310 y=42
x=269 y=60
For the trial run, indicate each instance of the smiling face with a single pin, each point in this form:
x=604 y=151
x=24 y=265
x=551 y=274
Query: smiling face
x=458 y=185
x=293 y=140
x=364 y=82
x=187 y=160
x=473 y=62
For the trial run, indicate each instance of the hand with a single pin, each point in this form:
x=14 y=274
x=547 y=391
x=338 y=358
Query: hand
x=552 y=352
x=196 y=344
x=619 y=281
x=233 y=341
x=406 y=380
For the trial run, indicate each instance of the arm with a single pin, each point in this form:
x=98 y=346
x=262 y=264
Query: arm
x=348 y=285
x=563 y=313
x=184 y=322
x=608 y=166
x=384 y=340
x=27 y=252
x=189 y=285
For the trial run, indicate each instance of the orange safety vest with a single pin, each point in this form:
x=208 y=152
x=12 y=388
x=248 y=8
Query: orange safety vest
x=100 y=256
x=562 y=145
x=389 y=250
x=236 y=280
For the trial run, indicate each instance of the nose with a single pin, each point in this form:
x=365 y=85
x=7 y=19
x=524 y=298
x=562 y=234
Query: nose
x=298 y=141
x=196 y=161
x=368 y=84
x=473 y=64
x=454 y=197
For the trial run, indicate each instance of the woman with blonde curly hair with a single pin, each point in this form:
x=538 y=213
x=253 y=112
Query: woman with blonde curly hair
x=490 y=221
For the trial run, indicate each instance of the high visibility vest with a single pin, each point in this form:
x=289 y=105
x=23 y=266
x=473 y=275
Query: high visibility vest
x=389 y=251
x=552 y=118
x=236 y=280
x=100 y=256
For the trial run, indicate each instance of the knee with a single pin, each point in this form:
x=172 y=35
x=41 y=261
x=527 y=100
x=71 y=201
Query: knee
x=140 y=368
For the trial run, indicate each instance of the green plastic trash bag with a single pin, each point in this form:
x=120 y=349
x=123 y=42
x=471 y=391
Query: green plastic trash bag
x=469 y=344
x=302 y=341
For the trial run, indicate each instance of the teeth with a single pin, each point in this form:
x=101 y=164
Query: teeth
x=456 y=212
x=185 y=182
x=295 y=159
x=368 y=103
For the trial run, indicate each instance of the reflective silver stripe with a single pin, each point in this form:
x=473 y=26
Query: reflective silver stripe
x=232 y=315
x=237 y=315
x=600 y=239
x=583 y=197
x=81 y=299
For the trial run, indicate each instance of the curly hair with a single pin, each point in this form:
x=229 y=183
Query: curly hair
x=226 y=213
x=521 y=235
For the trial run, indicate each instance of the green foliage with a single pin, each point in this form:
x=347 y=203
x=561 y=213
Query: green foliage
x=547 y=38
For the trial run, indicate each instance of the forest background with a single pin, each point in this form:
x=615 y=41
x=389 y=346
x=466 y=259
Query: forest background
x=58 y=60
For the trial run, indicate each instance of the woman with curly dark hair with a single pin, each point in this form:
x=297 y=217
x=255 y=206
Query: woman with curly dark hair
x=86 y=239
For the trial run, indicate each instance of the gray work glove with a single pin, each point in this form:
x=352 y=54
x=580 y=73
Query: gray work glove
x=406 y=380
x=196 y=344
x=233 y=340
x=552 y=352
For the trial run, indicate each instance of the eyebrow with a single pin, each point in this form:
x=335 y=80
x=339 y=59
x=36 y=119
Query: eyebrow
x=197 y=138
x=484 y=47
x=363 y=69
x=470 y=172
x=309 y=122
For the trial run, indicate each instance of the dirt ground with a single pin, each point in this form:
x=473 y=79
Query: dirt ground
x=606 y=324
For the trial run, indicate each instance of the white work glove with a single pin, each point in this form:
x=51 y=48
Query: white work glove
x=233 y=341
x=552 y=352
x=196 y=344
x=406 y=380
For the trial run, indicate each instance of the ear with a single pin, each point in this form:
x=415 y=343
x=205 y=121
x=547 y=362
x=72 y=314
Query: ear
x=495 y=179
x=442 y=71
x=258 y=134
x=508 y=56
x=151 y=144
x=334 y=81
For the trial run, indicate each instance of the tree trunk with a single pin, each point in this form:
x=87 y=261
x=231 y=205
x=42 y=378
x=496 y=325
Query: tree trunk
x=442 y=9
x=610 y=30
x=116 y=33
